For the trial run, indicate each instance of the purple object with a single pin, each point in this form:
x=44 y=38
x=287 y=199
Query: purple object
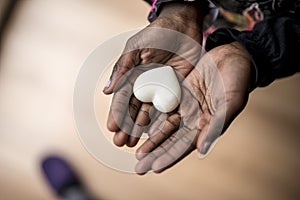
x=59 y=174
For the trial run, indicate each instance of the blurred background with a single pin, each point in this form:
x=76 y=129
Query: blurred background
x=43 y=45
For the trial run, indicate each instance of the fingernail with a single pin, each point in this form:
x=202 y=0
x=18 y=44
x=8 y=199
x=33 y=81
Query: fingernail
x=205 y=148
x=107 y=84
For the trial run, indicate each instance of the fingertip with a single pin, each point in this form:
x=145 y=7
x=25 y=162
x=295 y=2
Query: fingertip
x=120 y=139
x=107 y=88
x=145 y=165
x=107 y=91
x=111 y=122
x=132 y=141
x=157 y=167
x=206 y=148
x=201 y=156
x=112 y=126
x=141 y=168
x=139 y=154
x=141 y=174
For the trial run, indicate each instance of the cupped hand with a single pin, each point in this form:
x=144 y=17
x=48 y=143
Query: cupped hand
x=173 y=39
x=214 y=93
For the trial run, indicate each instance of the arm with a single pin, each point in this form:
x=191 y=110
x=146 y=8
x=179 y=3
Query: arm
x=273 y=44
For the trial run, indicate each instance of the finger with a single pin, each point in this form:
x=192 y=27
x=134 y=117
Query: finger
x=133 y=139
x=128 y=122
x=179 y=149
x=220 y=121
x=142 y=119
x=181 y=143
x=163 y=128
x=121 y=97
x=112 y=123
x=134 y=107
x=121 y=117
x=145 y=164
x=172 y=150
x=157 y=129
x=211 y=132
x=126 y=62
x=156 y=121
x=159 y=133
x=117 y=109
x=120 y=138
x=167 y=160
x=145 y=113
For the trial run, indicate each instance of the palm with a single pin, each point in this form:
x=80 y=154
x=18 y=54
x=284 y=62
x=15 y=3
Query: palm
x=173 y=44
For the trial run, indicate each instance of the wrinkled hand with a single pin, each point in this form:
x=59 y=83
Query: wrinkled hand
x=214 y=93
x=173 y=39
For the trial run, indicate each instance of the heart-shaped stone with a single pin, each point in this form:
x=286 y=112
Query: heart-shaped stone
x=159 y=86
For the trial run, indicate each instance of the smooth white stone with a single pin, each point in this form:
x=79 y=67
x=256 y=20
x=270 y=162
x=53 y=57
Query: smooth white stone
x=159 y=86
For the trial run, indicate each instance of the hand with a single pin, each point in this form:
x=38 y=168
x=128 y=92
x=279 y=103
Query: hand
x=160 y=42
x=218 y=102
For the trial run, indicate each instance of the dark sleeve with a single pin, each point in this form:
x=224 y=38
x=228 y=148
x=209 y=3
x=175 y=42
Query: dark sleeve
x=274 y=46
x=149 y=2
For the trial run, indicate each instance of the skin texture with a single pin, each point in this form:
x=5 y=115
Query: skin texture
x=208 y=105
x=187 y=21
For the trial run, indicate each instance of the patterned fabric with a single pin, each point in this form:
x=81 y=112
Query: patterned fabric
x=239 y=14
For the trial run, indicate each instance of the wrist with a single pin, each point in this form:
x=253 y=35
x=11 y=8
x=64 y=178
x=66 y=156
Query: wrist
x=184 y=12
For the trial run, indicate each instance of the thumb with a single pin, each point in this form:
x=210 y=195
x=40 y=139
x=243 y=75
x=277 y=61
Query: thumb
x=125 y=63
x=219 y=123
x=211 y=132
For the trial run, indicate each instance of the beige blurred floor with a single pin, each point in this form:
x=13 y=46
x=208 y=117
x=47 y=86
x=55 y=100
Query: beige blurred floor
x=42 y=51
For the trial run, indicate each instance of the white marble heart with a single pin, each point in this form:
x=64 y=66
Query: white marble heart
x=159 y=86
